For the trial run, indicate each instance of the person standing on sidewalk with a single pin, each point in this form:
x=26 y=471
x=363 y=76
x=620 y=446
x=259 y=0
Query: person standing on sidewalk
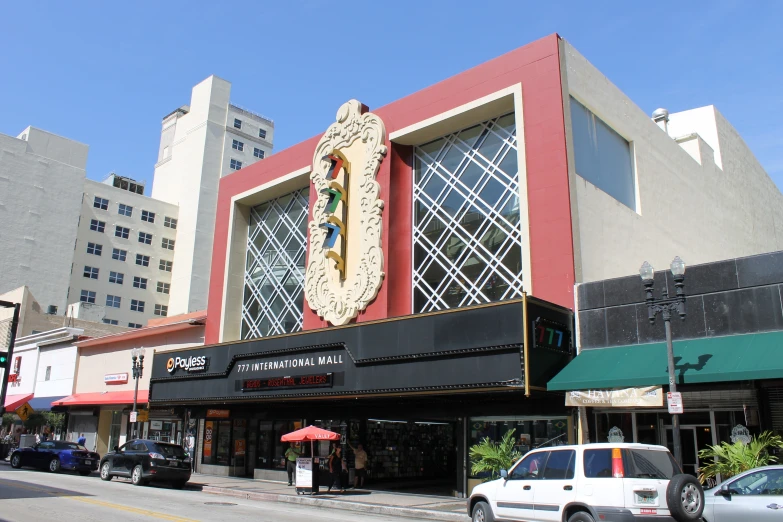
x=291 y=454
x=336 y=469
x=360 y=465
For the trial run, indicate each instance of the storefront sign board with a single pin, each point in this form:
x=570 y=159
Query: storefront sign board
x=304 y=473
x=156 y=425
x=674 y=400
x=645 y=397
x=218 y=414
x=115 y=378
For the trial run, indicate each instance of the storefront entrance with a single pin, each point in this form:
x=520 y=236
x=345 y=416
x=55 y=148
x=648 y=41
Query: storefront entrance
x=692 y=440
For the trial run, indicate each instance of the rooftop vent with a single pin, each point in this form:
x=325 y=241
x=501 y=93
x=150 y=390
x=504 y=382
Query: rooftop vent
x=661 y=118
x=51 y=310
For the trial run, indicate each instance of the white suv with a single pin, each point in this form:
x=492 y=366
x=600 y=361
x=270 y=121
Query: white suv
x=591 y=483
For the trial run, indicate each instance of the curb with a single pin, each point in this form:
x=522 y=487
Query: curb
x=378 y=509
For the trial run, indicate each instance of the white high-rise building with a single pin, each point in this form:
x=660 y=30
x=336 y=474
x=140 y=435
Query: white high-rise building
x=199 y=144
x=41 y=181
x=124 y=252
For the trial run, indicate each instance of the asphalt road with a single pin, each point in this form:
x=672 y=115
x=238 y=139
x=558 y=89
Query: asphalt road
x=29 y=496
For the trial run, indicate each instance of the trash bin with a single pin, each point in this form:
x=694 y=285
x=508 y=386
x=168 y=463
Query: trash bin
x=307 y=476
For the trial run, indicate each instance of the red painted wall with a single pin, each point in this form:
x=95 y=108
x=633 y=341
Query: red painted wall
x=537 y=67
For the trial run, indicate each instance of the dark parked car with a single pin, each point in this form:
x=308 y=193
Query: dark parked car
x=147 y=460
x=55 y=455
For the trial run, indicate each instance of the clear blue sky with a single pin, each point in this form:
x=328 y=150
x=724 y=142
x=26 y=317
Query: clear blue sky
x=105 y=73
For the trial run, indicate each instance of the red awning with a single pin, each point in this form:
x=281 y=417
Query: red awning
x=310 y=433
x=96 y=398
x=12 y=402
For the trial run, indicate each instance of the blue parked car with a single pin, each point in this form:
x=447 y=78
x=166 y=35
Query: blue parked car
x=56 y=455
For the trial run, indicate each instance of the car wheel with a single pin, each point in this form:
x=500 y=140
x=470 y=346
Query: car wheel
x=16 y=461
x=105 y=475
x=581 y=516
x=54 y=465
x=137 y=477
x=482 y=513
x=179 y=484
x=685 y=498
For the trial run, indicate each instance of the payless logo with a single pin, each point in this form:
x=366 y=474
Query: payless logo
x=189 y=364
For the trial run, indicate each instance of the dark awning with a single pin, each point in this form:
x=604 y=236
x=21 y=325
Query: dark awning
x=708 y=359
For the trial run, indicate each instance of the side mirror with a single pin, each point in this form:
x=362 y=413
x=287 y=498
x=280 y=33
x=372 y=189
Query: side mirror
x=504 y=474
x=725 y=490
x=116 y=448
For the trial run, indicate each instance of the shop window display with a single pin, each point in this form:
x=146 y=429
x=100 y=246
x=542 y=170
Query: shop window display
x=530 y=433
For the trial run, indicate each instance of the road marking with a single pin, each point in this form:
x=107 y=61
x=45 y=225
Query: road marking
x=120 y=507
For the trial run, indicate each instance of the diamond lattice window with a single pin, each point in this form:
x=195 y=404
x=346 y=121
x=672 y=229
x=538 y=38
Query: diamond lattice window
x=467 y=237
x=275 y=266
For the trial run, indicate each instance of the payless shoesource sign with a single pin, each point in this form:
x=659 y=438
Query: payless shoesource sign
x=649 y=396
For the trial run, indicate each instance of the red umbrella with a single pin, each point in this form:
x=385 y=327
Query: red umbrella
x=310 y=433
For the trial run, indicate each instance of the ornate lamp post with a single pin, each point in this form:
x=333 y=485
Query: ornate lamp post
x=137 y=356
x=665 y=306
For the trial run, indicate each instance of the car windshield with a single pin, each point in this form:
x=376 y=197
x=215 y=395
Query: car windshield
x=170 y=450
x=650 y=464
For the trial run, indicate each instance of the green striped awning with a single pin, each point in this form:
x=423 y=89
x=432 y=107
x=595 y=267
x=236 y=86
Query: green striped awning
x=708 y=359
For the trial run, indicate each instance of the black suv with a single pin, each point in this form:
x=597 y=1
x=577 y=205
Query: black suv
x=147 y=460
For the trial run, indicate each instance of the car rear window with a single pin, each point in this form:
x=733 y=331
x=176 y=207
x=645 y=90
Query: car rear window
x=652 y=464
x=170 y=450
x=70 y=446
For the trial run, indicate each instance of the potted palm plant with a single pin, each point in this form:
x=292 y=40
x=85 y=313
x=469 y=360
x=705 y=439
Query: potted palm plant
x=726 y=460
x=488 y=457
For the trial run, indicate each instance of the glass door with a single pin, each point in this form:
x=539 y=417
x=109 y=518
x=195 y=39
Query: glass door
x=692 y=440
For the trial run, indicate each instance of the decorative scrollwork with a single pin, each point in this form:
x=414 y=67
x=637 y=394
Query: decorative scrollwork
x=339 y=302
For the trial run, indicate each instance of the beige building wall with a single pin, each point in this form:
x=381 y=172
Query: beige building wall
x=115 y=357
x=105 y=264
x=702 y=196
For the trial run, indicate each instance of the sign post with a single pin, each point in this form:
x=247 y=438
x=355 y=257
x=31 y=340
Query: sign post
x=8 y=355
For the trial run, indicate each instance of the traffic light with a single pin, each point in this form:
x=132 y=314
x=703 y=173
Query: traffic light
x=4 y=360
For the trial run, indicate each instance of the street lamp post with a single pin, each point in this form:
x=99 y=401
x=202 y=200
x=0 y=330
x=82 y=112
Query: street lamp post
x=137 y=356
x=665 y=306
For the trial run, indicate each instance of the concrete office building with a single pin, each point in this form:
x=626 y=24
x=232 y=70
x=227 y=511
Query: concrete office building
x=124 y=252
x=41 y=180
x=199 y=144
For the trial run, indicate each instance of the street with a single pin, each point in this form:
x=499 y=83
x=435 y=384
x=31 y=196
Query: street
x=29 y=495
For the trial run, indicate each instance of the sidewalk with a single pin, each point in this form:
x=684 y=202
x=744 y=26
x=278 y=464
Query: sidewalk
x=365 y=501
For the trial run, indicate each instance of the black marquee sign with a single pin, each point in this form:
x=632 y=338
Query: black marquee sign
x=473 y=348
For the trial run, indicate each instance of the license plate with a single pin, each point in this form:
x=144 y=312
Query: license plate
x=88 y=462
x=645 y=498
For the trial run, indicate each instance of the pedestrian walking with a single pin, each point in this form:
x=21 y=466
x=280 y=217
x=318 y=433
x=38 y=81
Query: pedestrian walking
x=291 y=454
x=360 y=465
x=191 y=442
x=336 y=464
x=82 y=440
